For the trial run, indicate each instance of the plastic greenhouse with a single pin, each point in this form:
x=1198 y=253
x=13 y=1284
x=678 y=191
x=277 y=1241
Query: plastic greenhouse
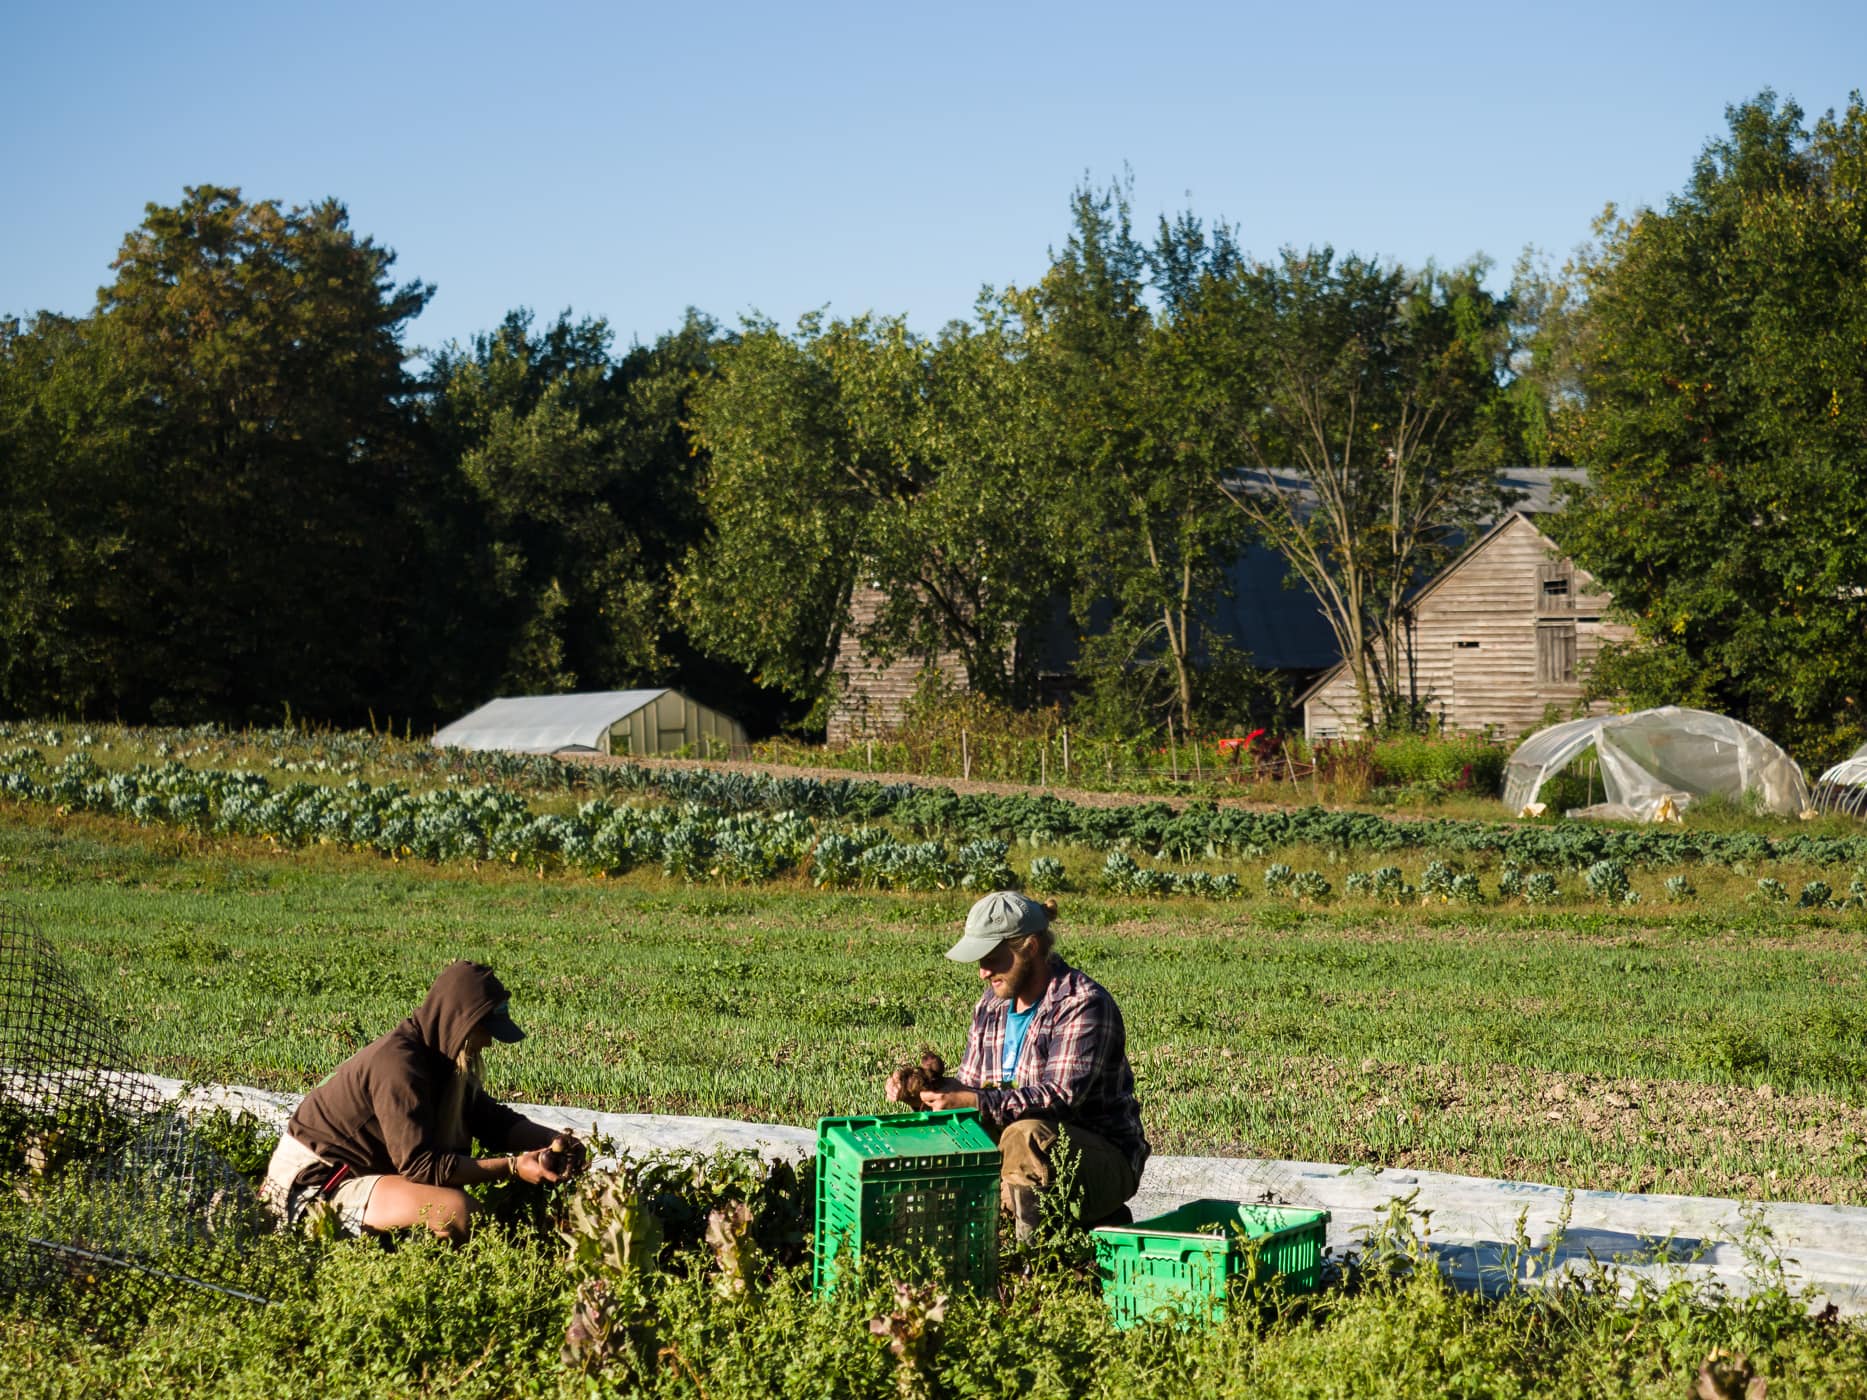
x=1654 y=762
x=639 y=722
x=1843 y=788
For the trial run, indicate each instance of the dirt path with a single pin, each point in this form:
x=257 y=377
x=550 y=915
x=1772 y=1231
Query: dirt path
x=1084 y=797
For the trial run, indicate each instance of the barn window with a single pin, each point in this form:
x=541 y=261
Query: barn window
x=1555 y=653
x=1468 y=646
x=1555 y=587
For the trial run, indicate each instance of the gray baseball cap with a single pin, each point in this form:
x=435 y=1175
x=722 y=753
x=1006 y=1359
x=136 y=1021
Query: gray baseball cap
x=999 y=916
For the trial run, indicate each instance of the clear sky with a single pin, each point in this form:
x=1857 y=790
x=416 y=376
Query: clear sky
x=631 y=160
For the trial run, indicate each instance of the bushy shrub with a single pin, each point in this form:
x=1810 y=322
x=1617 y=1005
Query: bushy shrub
x=1458 y=764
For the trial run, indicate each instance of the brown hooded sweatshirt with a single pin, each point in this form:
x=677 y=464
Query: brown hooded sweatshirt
x=378 y=1111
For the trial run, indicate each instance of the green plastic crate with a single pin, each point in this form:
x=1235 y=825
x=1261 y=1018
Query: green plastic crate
x=1170 y=1265
x=922 y=1183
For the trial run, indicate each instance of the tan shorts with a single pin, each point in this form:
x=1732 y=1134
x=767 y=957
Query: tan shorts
x=289 y=1158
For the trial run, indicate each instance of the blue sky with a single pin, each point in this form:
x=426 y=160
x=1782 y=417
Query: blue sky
x=630 y=161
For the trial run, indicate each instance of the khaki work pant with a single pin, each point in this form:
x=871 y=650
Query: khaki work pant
x=1104 y=1177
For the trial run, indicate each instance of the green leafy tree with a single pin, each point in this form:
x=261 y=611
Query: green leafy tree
x=1724 y=430
x=248 y=421
x=1114 y=330
x=563 y=596
x=1370 y=423
x=68 y=511
x=574 y=495
x=857 y=452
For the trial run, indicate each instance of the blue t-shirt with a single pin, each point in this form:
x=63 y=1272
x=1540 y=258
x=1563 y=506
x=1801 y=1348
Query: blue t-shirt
x=1017 y=1027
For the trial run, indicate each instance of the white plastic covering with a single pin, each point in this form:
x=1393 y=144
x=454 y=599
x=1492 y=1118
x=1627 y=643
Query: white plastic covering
x=544 y=723
x=1851 y=772
x=1654 y=762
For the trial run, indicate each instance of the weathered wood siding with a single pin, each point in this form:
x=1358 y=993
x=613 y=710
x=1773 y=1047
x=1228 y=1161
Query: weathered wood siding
x=1478 y=632
x=870 y=699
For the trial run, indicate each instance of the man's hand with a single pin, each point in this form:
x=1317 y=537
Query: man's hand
x=941 y=1099
x=893 y=1091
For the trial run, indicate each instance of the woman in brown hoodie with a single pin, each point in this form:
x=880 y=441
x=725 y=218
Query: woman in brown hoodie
x=385 y=1140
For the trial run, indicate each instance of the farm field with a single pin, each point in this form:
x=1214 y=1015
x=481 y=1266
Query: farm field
x=1719 y=1053
x=1714 y=1045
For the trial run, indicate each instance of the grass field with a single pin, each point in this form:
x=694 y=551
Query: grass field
x=1715 y=1046
x=1719 y=1051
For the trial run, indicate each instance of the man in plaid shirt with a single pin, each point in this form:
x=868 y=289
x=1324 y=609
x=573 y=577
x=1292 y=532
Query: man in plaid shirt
x=1046 y=1063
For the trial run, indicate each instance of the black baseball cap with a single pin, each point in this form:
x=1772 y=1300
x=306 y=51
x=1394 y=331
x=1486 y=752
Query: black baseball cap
x=499 y=1021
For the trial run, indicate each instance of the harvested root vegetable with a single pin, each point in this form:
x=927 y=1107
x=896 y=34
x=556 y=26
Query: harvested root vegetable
x=917 y=1077
x=564 y=1154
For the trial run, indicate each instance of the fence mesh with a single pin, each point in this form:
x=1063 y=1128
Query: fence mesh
x=108 y=1172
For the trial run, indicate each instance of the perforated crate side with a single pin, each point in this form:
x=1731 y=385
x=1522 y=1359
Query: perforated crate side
x=938 y=1205
x=1147 y=1270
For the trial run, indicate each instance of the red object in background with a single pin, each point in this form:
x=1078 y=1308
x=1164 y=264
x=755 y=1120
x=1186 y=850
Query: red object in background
x=1233 y=748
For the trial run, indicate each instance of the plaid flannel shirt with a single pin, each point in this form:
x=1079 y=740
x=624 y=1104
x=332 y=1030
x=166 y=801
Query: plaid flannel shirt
x=1074 y=1066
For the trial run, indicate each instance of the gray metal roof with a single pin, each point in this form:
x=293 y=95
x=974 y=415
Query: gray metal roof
x=1533 y=490
x=544 y=723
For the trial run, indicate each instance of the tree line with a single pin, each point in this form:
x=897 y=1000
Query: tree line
x=234 y=487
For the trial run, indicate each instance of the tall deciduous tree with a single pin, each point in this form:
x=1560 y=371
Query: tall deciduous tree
x=858 y=452
x=1113 y=330
x=249 y=424
x=1725 y=430
x=1368 y=414
x=68 y=512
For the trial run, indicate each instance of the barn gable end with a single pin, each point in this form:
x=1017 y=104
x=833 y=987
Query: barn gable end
x=1508 y=630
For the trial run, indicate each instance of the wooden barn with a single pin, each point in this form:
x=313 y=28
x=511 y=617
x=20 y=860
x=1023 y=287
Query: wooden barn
x=872 y=699
x=1509 y=629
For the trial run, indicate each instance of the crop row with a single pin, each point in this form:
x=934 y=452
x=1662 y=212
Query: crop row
x=1200 y=830
x=477 y=823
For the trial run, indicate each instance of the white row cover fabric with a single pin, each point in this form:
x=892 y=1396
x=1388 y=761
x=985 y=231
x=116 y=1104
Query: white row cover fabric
x=1653 y=762
x=544 y=723
x=1850 y=772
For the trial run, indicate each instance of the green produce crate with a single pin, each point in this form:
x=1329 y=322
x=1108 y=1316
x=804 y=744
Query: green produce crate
x=1170 y=1264
x=923 y=1183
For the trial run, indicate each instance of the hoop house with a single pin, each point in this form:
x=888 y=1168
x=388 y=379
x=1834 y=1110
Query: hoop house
x=1654 y=762
x=1843 y=788
x=636 y=722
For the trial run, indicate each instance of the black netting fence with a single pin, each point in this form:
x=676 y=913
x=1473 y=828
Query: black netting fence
x=105 y=1172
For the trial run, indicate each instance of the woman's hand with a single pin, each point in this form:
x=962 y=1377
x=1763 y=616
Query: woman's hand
x=533 y=1167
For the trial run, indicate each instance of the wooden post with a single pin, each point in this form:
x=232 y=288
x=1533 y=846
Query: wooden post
x=1066 y=755
x=871 y=744
x=1173 y=756
x=1043 y=764
x=965 y=755
x=1199 y=770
